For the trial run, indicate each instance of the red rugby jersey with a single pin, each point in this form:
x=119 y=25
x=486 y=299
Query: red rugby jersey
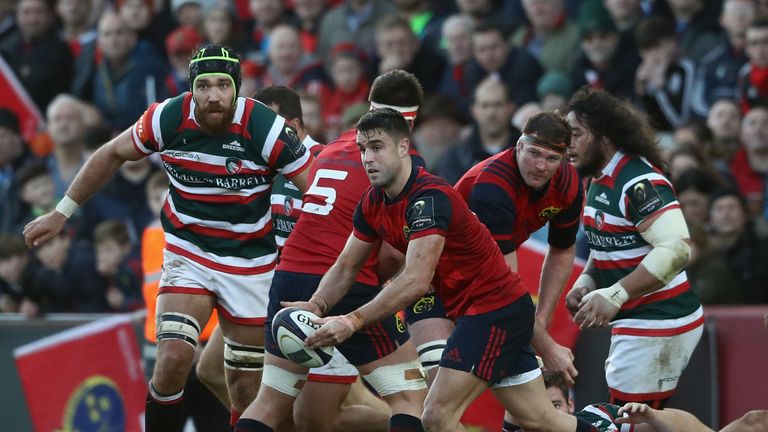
x=471 y=276
x=495 y=190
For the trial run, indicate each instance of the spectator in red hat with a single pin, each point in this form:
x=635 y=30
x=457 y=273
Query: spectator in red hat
x=349 y=84
x=180 y=45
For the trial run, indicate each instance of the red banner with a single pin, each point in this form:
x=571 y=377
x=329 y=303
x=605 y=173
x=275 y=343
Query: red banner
x=85 y=379
x=486 y=414
x=16 y=99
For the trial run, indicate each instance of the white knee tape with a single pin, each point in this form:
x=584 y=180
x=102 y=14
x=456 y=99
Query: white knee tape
x=176 y=325
x=387 y=380
x=431 y=352
x=242 y=357
x=282 y=380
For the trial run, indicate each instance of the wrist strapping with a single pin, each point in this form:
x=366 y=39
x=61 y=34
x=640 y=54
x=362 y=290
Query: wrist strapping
x=352 y=320
x=67 y=206
x=585 y=279
x=615 y=294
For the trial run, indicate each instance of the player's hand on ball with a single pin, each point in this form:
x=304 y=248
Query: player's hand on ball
x=312 y=307
x=634 y=413
x=334 y=330
x=595 y=311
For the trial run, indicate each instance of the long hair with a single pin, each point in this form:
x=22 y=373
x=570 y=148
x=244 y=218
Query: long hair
x=624 y=126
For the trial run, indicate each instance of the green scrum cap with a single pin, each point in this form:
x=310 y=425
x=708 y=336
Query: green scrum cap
x=215 y=60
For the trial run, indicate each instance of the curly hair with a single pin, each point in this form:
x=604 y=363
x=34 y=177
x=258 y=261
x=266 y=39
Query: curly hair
x=607 y=116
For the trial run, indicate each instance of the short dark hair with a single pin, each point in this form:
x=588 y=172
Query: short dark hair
x=490 y=26
x=386 y=120
x=557 y=380
x=287 y=100
x=11 y=245
x=551 y=128
x=651 y=32
x=695 y=179
x=397 y=88
x=728 y=192
x=113 y=230
x=30 y=171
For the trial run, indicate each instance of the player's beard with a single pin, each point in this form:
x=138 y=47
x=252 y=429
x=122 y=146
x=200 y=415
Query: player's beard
x=214 y=125
x=592 y=161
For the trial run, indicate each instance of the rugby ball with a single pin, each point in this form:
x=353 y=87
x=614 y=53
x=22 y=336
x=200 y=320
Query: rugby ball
x=290 y=327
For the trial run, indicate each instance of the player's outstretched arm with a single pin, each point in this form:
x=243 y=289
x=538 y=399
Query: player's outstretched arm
x=668 y=420
x=96 y=172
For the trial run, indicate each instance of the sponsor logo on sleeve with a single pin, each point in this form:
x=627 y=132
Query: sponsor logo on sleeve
x=421 y=214
x=644 y=198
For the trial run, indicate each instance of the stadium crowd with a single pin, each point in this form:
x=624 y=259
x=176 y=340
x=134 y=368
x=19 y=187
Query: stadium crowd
x=698 y=68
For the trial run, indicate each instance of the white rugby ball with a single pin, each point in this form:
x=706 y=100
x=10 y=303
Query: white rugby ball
x=290 y=327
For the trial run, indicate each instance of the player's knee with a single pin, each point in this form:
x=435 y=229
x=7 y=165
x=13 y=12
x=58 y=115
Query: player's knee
x=435 y=418
x=401 y=377
x=210 y=375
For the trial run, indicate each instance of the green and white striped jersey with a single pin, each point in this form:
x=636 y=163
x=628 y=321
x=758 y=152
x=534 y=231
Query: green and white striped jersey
x=629 y=191
x=601 y=416
x=218 y=208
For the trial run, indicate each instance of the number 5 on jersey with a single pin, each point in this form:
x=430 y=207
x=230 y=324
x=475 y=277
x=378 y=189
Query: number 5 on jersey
x=328 y=193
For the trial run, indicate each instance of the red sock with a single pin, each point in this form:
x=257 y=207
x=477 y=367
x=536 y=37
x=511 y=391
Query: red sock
x=233 y=417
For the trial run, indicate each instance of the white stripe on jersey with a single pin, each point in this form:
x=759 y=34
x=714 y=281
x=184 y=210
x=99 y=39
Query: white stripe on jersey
x=239 y=110
x=210 y=159
x=222 y=225
x=269 y=142
x=650 y=177
x=607 y=217
x=295 y=165
x=601 y=414
x=197 y=190
x=137 y=143
x=621 y=254
x=279 y=199
x=230 y=261
x=156 y=125
x=658 y=324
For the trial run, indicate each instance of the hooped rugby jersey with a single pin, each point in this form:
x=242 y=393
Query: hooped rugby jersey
x=218 y=208
x=286 y=199
x=601 y=416
x=471 y=276
x=629 y=191
x=495 y=190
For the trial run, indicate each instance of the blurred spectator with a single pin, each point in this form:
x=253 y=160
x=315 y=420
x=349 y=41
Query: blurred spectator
x=724 y=120
x=492 y=131
x=221 y=27
x=694 y=186
x=95 y=137
x=125 y=78
x=696 y=26
x=190 y=12
x=313 y=118
x=745 y=252
x=606 y=58
x=66 y=130
x=352 y=21
x=76 y=27
x=752 y=85
x=438 y=128
x=15 y=272
x=550 y=37
x=349 y=84
x=525 y=112
x=63 y=270
x=7 y=18
x=553 y=90
x=709 y=273
x=36 y=189
x=119 y=267
x=250 y=76
x=750 y=163
x=718 y=70
x=352 y=114
x=308 y=14
x=40 y=59
x=140 y=17
x=180 y=45
x=664 y=81
x=492 y=56
x=626 y=14
x=481 y=11
x=457 y=38
x=13 y=154
x=266 y=16
x=397 y=47
x=288 y=65
x=695 y=134
x=425 y=23
x=123 y=198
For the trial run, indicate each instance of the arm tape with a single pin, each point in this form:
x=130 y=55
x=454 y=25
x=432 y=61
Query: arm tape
x=67 y=206
x=671 y=251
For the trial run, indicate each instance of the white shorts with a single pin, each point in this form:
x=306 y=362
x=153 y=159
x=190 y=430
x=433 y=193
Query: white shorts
x=648 y=367
x=241 y=299
x=339 y=371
